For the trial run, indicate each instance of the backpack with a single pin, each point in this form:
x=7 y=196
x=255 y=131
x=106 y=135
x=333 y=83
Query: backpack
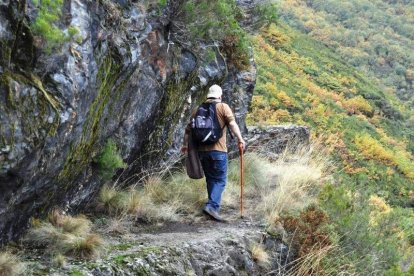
x=205 y=126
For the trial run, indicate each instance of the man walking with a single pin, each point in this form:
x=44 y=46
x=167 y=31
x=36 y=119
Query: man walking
x=213 y=157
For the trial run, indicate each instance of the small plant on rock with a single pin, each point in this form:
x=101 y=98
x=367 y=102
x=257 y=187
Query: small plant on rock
x=109 y=160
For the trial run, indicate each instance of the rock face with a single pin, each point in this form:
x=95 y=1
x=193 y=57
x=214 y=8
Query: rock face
x=272 y=141
x=123 y=79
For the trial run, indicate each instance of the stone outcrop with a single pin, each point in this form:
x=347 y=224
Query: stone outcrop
x=272 y=141
x=124 y=79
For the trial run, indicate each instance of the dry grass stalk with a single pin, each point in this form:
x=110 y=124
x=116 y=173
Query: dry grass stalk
x=10 y=265
x=294 y=182
x=260 y=256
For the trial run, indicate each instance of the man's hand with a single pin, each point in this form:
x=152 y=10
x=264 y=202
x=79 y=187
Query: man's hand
x=242 y=144
x=184 y=149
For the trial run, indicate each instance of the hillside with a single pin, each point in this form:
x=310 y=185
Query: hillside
x=94 y=97
x=377 y=37
x=368 y=133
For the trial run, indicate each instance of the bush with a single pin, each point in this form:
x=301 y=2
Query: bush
x=45 y=25
x=214 y=21
x=109 y=160
x=66 y=235
x=373 y=235
x=370 y=148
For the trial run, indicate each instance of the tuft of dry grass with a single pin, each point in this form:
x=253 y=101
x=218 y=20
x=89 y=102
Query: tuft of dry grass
x=10 y=265
x=66 y=235
x=294 y=182
x=288 y=183
x=59 y=260
x=260 y=256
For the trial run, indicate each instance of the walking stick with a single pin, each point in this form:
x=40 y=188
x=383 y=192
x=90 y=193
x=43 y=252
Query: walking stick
x=241 y=178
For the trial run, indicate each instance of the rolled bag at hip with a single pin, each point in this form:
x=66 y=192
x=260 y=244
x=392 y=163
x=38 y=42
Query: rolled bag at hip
x=192 y=162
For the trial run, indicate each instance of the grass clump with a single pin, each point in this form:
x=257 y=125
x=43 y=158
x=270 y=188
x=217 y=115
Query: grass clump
x=294 y=182
x=109 y=160
x=259 y=255
x=66 y=235
x=10 y=265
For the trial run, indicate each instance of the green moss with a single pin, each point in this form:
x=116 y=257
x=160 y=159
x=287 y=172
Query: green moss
x=81 y=154
x=171 y=105
x=73 y=31
x=121 y=259
x=31 y=124
x=75 y=273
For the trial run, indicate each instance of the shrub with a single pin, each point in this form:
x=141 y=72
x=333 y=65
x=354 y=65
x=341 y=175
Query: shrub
x=267 y=12
x=66 y=235
x=370 y=148
x=109 y=160
x=45 y=25
x=307 y=230
x=214 y=21
x=10 y=265
x=373 y=235
x=358 y=105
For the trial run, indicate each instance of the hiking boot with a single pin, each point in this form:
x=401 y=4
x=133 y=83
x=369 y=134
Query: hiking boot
x=213 y=214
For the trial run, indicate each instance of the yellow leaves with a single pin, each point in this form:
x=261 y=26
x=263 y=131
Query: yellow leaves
x=258 y=102
x=358 y=105
x=270 y=88
x=379 y=209
x=275 y=37
x=405 y=164
x=379 y=205
x=281 y=115
x=371 y=149
x=310 y=25
x=285 y=99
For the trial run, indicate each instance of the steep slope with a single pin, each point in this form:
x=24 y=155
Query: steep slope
x=374 y=36
x=369 y=134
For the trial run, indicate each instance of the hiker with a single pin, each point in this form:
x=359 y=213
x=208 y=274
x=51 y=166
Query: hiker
x=213 y=156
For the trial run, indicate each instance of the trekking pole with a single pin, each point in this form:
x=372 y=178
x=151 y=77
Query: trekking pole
x=241 y=178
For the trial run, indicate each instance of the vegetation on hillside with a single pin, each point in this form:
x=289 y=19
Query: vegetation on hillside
x=369 y=136
x=375 y=36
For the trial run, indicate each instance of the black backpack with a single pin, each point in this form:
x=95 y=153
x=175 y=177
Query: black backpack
x=205 y=125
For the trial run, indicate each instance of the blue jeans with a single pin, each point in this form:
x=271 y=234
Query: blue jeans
x=214 y=164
